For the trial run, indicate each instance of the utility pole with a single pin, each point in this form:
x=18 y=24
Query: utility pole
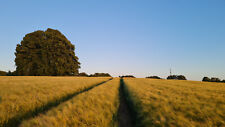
x=170 y=72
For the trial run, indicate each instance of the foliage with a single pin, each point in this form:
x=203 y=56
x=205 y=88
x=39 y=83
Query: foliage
x=94 y=108
x=181 y=77
x=100 y=75
x=47 y=53
x=3 y=73
x=24 y=96
x=172 y=77
x=127 y=76
x=177 y=77
x=206 y=79
x=213 y=79
x=154 y=77
x=9 y=73
x=83 y=74
x=173 y=103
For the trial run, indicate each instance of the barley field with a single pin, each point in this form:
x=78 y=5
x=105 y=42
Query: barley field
x=22 y=97
x=176 y=103
x=106 y=102
x=95 y=108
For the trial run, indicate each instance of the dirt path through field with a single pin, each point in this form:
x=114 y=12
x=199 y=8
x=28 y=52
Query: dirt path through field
x=124 y=113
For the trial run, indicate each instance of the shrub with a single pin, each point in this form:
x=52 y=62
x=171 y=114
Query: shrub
x=154 y=77
x=206 y=79
x=223 y=81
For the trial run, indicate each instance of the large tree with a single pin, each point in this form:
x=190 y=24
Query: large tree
x=47 y=53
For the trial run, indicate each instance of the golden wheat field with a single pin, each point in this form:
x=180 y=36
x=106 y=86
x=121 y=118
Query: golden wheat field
x=95 y=108
x=21 y=97
x=176 y=103
x=106 y=102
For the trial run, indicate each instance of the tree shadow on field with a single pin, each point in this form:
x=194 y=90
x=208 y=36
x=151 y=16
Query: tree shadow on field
x=17 y=120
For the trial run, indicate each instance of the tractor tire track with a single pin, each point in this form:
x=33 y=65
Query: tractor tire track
x=125 y=116
x=16 y=121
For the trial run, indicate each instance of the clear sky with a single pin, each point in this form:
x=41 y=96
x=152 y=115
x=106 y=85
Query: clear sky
x=138 y=37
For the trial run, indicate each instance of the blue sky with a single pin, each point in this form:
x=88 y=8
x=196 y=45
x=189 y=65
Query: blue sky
x=139 y=37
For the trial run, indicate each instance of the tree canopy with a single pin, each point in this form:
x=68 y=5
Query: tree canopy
x=177 y=77
x=154 y=77
x=127 y=76
x=83 y=74
x=100 y=75
x=213 y=79
x=206 y=79
x=47 y=53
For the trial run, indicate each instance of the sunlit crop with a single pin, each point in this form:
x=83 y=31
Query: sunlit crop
x=94 y=108
x=100 y=102
x=176 y=103
x=21 y=97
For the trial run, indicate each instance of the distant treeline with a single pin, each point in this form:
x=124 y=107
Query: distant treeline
x=127 y=76
x=154 y=77
x=9 y=73
x=83 y=74
x=3 y=73
x=213 y=79
x=177 y=77
x=174 y=77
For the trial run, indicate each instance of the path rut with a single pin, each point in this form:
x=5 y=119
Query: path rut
x=124 y=112
x=15 y=122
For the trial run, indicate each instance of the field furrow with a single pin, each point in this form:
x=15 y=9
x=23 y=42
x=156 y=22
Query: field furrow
x=176 y=103
x=25 y=97
x=94 y=108
x=125 y=114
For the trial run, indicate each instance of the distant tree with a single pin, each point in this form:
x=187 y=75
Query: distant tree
x=46 y=53
x=127 y=76
x=177 y=77
x=83 y=74
x=100 y=75
x=172 y=77
x=154 y=77
x=206 y=79
x=181 y=77
x=215 y=79
x=3 y=73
